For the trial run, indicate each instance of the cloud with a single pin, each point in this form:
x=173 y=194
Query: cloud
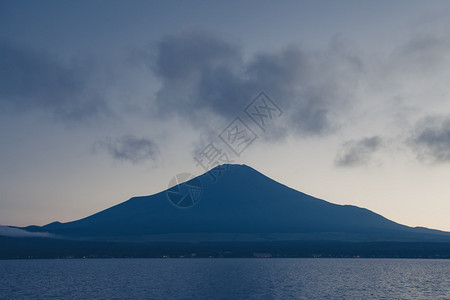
x=314 y=87
x=202 y=75
x=431 y=139
x=425 y=53
x=132 y=149
x=16 y=232
x=199 y=72
x=202 y=78
x=34 y=80
x=355 y=153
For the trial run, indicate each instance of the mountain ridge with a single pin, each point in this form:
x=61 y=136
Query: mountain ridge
x=239 y=203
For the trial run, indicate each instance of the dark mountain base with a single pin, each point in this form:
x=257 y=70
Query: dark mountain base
x=39 y=248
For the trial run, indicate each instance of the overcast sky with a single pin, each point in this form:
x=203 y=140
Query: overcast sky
x=101 y=101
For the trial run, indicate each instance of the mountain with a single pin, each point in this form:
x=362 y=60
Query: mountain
x=236 y=203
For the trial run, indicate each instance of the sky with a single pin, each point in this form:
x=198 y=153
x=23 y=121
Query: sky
x=101 y=101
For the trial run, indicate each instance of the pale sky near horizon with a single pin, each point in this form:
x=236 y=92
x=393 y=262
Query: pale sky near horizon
x=101 y=101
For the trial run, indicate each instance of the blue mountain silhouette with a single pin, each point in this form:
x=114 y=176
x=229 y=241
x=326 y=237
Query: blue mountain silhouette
x=238 y=203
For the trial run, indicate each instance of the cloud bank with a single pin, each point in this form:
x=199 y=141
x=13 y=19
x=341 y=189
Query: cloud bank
x=203 y=78
x=202 y=75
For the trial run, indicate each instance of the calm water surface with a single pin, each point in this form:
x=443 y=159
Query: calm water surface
x=225 y=279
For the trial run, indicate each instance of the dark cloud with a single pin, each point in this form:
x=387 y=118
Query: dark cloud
x=190 y=54
x=199 y=73
x=355 y=153
x=33 y=80
x=314 y=87
x=130 y=148
x=204 y=77
x=431 y=139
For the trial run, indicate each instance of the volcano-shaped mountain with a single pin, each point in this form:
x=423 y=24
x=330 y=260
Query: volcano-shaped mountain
x=236 y=202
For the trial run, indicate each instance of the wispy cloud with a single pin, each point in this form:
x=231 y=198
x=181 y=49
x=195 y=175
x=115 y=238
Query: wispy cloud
x=130 y=148
x=16 y=232
x=358 y=152
x=431 y=139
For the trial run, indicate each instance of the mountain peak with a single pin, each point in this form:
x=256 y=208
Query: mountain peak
x=231 y=174
x=234 y=166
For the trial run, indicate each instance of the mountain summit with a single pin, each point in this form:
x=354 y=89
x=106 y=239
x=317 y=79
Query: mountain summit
x=236 y=202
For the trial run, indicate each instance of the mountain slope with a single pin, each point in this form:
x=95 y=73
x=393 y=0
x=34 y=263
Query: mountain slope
x=241 y=204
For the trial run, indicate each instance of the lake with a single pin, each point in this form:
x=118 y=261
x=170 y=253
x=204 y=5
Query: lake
x=226 y=278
